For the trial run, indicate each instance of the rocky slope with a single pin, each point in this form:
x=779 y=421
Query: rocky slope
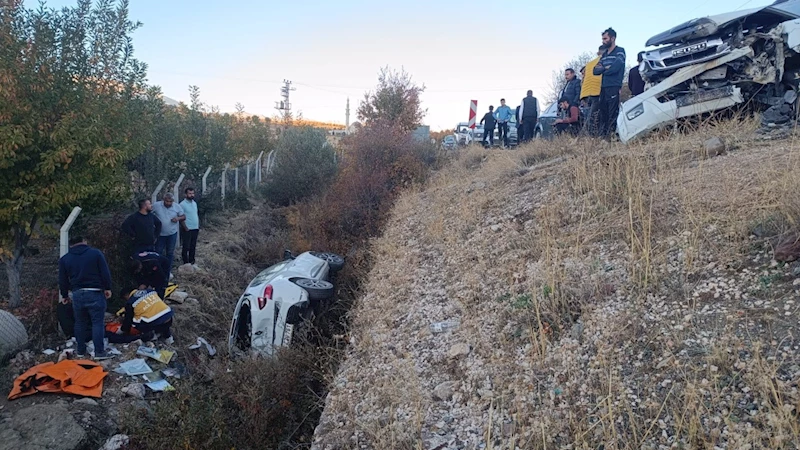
x=606 y=297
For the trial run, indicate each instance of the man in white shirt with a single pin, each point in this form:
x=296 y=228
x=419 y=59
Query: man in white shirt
x=170 y=215
x=190 y=227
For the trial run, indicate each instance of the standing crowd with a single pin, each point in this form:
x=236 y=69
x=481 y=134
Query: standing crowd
x=588 y=104
x=153 y=233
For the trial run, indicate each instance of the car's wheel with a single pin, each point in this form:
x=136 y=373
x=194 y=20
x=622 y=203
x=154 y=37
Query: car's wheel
x=335 y=262
x=537 y=134
x=317 y=289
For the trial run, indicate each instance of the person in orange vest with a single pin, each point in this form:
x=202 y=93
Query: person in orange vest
x=145 y=311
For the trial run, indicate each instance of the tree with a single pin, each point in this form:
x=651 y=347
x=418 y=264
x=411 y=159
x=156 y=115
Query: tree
x=396 y=100
x=73 y=107
x=557 y=82
x=304 y=166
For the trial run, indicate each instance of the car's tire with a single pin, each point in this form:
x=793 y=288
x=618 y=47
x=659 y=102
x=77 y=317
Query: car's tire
x=335 y=262
x=317 y=289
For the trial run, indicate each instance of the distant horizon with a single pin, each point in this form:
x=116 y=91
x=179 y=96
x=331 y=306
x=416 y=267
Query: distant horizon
x=240 y=52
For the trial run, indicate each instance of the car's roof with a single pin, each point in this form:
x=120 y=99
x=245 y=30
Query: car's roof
x=781 y=10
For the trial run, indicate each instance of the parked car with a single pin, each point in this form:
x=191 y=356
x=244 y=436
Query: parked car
x=544 y=126
x=751 y=57
x=465 y=136
x=279 y=299
x=449 y=142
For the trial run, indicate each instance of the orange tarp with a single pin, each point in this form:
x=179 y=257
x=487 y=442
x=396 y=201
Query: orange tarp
x=79 y=377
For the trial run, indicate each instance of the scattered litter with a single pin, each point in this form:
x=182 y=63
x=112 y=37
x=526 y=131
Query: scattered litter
x=441 y=327
x=161 y=385
x=154 y=376
x=49 y=352
x=65 y=354
x=113 y=350
x=200 y=342
x=163 y=356
x=134 y=367
x=175 y=372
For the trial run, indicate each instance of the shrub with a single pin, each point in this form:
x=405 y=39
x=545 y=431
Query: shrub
x=304 y=165
x=379 y=161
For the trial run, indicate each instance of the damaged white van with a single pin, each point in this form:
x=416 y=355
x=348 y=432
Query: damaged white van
x=748 y=57
x=279 y=299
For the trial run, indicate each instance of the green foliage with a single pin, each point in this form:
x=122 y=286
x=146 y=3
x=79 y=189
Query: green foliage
x=304 y=166
x=189 y=138
x=73 y=107
x=396 y=100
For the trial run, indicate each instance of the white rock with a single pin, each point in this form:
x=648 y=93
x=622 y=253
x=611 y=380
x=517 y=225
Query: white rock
x=135 y=390
x=444 y=391
x=178 y=296
x=116 y=442
x=459 y=350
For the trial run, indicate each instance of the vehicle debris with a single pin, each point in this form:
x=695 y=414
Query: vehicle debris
x=200 y=342
x=747 y=57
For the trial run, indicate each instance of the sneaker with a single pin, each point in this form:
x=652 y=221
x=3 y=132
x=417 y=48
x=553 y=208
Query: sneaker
x=80 y=355
x=102 y=356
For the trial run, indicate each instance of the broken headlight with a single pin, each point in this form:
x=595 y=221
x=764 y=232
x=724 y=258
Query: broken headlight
x=635 y=112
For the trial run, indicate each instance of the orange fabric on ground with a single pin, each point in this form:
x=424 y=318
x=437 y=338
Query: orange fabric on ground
x=80 y=377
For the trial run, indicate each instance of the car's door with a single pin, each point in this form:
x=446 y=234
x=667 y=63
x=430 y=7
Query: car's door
x=547 y=120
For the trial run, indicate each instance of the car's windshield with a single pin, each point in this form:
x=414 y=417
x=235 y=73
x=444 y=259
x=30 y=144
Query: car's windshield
x=449 y=139
x=552 y=109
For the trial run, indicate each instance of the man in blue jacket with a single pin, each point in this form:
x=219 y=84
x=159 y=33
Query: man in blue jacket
x=84 y=271
x=503 y=115
x=612 y=67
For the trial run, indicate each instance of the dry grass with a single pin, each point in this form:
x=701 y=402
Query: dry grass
x=611 y=296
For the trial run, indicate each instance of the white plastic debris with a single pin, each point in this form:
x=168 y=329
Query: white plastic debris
x=200 y=342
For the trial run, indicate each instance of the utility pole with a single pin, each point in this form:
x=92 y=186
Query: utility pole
x=347 y=116
x=285 y=106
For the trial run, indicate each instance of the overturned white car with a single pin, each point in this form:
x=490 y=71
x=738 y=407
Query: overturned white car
x=279 y=299
x=748 y=57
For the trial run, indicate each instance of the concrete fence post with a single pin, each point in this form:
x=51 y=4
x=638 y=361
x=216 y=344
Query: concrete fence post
x=177 y=189
x=270 y=161
x=236 y=179
x=247 y=169
x=224 y=180
x=205 y=176
x=154 y=197
x=65 y=230
x=259 y=163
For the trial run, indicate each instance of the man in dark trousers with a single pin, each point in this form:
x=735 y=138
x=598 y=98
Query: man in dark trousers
x=572 y=90
x=612 y=67
x=143 y=227
x=503 y=116
x=84 y=271
x=528 y=116
x=488 y=122
x=635 y=81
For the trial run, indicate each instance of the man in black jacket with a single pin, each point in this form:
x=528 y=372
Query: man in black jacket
x=528 y=116
x=143 y=227
x=612 y=67
x=572 y=90
x=84 y=271
x=488 y=123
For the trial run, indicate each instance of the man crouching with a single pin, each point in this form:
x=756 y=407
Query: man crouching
x=146 y=312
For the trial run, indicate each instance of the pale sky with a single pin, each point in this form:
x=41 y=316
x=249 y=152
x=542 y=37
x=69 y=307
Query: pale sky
x=241 y=50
